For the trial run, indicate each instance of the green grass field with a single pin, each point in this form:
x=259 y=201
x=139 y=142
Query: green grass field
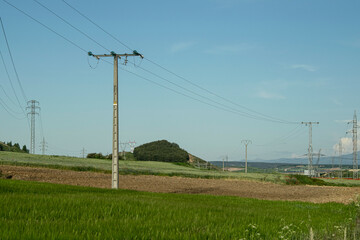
x=31 y=210
x=127 y=167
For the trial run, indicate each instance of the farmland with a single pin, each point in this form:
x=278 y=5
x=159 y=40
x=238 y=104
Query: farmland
x=127 y=167
x=48 y=211
x=208 y=204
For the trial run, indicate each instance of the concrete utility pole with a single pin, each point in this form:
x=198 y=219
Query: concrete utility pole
x=132 y=145
x=32 y=107
x=354 y=133
x=83 y=151
x=43 y=146
x=115 y=144
x=246 y=143
x=340 y=157
x=226 y=159
x=223 y=164
x=310 y=149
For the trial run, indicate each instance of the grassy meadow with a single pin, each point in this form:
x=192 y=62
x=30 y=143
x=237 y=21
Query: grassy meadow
x=127 y=167
x=32 y=210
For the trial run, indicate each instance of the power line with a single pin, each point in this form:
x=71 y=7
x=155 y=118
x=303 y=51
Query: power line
x=7 y=106
x=87 y=18
x=276 y=141
x=9 y=112
x=234 y=111
x=209 y=99
x=7 y=96
x=68 y=23
x=223 y=98
x=11 y=84
x=186 y=95
x=45 y=26
x=77 y=29
x=12 y=61
x=264 y=117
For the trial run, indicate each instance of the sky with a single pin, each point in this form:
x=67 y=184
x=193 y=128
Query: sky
x=290 y=60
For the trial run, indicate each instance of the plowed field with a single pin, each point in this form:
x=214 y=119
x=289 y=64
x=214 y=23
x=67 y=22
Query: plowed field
x=241 y=188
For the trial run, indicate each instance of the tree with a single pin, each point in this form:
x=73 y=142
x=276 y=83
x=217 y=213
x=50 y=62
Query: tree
x=24 y=149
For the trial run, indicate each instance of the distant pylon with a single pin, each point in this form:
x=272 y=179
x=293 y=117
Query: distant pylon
x=310 y=149
x=83 y=151
x=43 y=146
x=32 y=107
x=132 y=145
x=123 y=148
x=354 y=133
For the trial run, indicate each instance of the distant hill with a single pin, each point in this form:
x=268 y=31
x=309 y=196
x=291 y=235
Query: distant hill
x=162 y=151
x=346 y=160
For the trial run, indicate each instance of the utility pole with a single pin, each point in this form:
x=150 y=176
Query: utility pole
x=246 y=143
x=223 y=164
x=33 y=107
x=310 y=149
x=83 y=151
x=340 y=157
x=354 y=133
x=115 y=142
x=132 y=145
x=43 y=146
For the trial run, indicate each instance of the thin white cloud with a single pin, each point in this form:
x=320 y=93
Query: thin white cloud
x=337 y=102
x=347 y=145
x=182 y=46
x=230 y=48
x=294 y=155
x=269 y=95
x=305 y=67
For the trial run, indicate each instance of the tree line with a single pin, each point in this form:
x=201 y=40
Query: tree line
x=10 y=147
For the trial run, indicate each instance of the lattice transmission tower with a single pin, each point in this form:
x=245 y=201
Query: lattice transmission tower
x=33 y=109
x=311 y=170
x=354 y=140
x=43 y=146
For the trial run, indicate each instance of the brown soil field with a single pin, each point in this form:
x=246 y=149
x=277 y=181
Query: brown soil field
x=160 y=184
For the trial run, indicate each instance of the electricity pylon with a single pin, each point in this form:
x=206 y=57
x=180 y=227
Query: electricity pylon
x=123 y=148
x=83 y=151
x=33 y=107
x=246 y=143
x=43 y=146
x=132 y=145
x=310 y=149
x=115 y=142
x=354 y=139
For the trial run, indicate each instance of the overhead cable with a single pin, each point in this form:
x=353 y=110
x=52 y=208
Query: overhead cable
x=272 y=119
x=12 y=61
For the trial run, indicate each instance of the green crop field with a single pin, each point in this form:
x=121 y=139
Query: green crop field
x=348 y=182
x=32 y=210
x=128 y=167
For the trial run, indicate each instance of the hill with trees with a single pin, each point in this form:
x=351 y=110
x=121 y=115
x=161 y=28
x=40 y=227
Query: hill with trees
x=10 y=147
x=162 y=151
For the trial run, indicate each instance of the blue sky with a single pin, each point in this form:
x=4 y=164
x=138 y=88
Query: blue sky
x=293 y=60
